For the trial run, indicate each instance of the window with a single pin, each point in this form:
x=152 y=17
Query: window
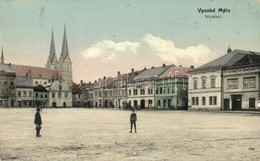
x=30 y=94
x=164 y=90
x=173 y=89
x=157 y=91
x=53 y=95
x=24 y=93
x=41 y=95
x=19 y=93
x=203 y=83
x=36 y=82
x=203 y=100
x=46 y=96
x=159 y=103
x=142 y=91
x=150 y=90
x=150 y=102
x=232 y=83
x=212 y=100
x=249 y=82
x=213 y=82
x=36 y=95
x=195 y=100
x=160 y=90
x=135 y=91
x=195 y=84
x=129 y=92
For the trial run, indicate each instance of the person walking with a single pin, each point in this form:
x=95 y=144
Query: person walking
x=38 y=122
x=133 y=119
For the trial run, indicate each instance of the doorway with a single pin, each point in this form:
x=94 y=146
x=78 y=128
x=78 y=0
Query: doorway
x=226 y=104
x=236 y=102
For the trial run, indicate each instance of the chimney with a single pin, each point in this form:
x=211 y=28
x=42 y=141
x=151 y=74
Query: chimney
x=152 y=67
x=99 y=79
x=180 y=65
x=81 y=81
x=95 y=81
x=104 y=77
x=118 y=73
x=192 y=66
x=163 y=65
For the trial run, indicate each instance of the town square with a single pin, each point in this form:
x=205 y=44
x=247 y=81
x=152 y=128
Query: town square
x=129 y=80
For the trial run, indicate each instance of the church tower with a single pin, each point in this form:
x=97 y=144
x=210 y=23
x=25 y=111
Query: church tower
x=52 y=60
x=2 y=57
x=65 y=64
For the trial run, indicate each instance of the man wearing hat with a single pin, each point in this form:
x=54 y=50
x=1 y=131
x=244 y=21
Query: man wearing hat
x=38 y=122
x=133 y=119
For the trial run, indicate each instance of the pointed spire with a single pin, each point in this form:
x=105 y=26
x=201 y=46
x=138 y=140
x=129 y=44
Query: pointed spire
x=65 y=49
x=52 y=48
x=2 y=56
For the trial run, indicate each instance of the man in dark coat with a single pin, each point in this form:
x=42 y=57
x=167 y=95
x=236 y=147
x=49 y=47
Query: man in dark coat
x=38 y=122
x=133 y=119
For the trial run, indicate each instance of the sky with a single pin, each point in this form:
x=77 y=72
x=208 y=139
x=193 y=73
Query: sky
x=107 y=36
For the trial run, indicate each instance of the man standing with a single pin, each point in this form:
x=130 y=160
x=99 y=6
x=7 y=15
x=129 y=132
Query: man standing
x=133 y=119
x=38 y=122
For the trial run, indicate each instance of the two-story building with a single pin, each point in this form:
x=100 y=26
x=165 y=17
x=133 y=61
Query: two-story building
x=172 y=88
x=241 y=88
x=141 y=88
x=211 y=85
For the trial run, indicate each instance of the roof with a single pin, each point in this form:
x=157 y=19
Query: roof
x=152 y=72
x=234 y=58
x=40 y=88
x=65 y=49
x=23 y=82
x=175 y=71
x=6 y=68
x=37 y=72
x=52 y=54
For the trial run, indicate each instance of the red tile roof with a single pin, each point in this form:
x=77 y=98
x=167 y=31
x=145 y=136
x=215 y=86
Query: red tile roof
x=175 y=72
x=37 y=72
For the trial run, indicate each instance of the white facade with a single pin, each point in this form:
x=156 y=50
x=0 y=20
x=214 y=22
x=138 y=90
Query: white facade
x=60 y=94
x=205 y=90
x=241 y=88
x=141 y=94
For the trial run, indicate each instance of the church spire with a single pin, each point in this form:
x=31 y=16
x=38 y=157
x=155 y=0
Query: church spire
x=65 y=49
x=52 y=49
x=2 y=56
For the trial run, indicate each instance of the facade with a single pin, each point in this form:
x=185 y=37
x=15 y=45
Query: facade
x=7 y=85
x=241 y=90
x=172 y=88
x=141 y=88
x=210 y=85
x=41 y=96
x=24 y=92
x=77 y=95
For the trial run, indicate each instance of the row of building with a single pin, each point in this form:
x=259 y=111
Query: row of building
x=230 y=82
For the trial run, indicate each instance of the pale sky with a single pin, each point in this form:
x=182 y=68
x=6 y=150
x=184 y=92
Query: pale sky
x=106 y=36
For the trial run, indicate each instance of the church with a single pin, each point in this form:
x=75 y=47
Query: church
x=56 y=78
